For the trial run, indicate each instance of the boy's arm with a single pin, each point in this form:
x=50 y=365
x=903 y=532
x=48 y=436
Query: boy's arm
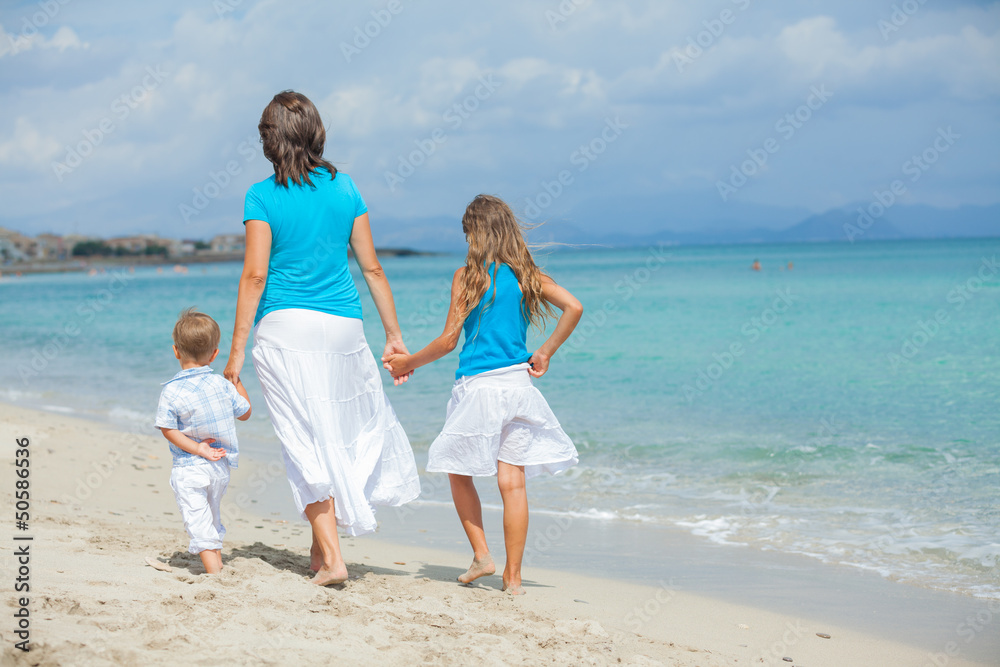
x=401 y=364
x=243 y=392
x=571 y=309
x=190 y=446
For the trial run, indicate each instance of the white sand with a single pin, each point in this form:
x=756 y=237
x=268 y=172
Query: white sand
x=101 y=504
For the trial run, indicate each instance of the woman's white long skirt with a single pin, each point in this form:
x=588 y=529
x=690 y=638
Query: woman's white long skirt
x=339 y=434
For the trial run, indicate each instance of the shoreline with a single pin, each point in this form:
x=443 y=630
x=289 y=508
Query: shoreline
x=101 y=502
x=84 y=264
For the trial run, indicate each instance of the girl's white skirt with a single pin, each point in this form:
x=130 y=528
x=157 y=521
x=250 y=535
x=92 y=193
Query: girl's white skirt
x=500 y=416
x=339 y=435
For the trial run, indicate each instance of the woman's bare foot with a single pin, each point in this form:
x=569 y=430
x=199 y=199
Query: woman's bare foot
x=480 y=567
x=330 y=577
x=510 y=588
x=315 y=558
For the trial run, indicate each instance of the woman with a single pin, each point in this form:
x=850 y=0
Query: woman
x=344 y=450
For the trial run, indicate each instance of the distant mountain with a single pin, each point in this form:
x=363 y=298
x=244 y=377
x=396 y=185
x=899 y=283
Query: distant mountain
x=920 y=221
x=600 y=227
x=841 y=224
x=837 y=225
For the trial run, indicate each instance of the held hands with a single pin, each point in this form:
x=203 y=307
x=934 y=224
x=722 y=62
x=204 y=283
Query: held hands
x=398 y=365
x=233 y=367
x=210 y=453
x=539 y=364
x=396 y=349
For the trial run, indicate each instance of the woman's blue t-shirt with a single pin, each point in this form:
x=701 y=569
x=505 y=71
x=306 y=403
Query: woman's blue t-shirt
x=310 y=231
x=496 y=330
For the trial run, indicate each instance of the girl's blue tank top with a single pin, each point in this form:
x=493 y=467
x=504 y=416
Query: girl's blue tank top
x=496 y=330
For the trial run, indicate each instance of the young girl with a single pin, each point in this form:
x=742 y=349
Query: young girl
x=497 y=423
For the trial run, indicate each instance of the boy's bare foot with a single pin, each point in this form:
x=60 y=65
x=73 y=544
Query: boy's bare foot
x=480 y=567
x=325 y=577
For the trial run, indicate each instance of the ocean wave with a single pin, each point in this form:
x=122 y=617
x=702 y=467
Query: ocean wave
x=927 y=555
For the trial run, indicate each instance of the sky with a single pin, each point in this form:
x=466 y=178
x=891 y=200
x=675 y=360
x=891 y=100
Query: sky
x=595 y=117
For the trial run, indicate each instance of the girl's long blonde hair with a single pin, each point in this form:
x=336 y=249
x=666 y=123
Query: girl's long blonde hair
x=495 y=235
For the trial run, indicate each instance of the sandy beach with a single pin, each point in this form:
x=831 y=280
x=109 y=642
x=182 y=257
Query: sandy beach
x=101 y=505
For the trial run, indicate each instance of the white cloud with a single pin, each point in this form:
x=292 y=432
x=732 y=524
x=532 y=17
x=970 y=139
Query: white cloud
x=613 y=57
x=28 y=146
x=64 y=38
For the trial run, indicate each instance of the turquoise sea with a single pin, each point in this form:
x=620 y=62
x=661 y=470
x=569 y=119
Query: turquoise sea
x=845 y=409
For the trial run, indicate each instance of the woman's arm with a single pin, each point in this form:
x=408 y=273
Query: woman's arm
x=378 y=285
x=252 y=281
x=399 y=364
x=190 y=446
x=571 y=313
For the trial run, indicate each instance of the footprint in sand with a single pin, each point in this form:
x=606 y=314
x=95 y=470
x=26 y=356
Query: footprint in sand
x=158 y=565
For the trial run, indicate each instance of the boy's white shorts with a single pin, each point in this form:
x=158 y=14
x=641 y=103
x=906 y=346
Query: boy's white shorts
x=199 y=490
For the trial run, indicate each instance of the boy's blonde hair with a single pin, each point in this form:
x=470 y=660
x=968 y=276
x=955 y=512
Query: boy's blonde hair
x=196 y=335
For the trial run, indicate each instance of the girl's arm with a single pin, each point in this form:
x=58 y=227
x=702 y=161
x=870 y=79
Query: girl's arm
x=378 y=285
x=399 y=364
x=571 y=313
x=190 y=446
x=252 y=281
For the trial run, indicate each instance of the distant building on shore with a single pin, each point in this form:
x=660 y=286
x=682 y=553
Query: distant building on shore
x=20 y=248
x=16 y=247
x=229 y=244
x=138 y=245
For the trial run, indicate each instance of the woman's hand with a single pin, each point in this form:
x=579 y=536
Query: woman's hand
x=235 y=365
x=539 y=364
x=396 y=348
x=399 y=365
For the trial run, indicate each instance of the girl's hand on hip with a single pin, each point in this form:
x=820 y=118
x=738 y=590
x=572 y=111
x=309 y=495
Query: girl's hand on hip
x=233 y=368
x=539 y=364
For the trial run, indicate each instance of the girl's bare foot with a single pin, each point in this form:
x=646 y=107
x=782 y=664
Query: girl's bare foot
x=330 y=577
x=480 y=567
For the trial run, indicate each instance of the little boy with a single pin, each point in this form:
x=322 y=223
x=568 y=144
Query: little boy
x=196 y=409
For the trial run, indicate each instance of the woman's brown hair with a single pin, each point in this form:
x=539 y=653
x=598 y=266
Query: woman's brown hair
x=293 y=136
x=495 y=235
